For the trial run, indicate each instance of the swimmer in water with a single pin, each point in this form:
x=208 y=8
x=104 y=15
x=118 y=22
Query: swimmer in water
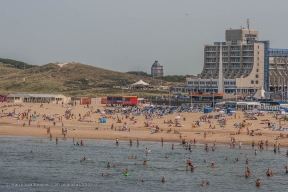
x=255 y=152
x=166 y=156
x=31 y=151
x=247 y=174
x=125 y=171
x=207 y=182
x=189 y=161
x=213 y=165
x=286 y=167
x=83 y=159
x=142 y=180
x=131 y=157
x=247 y=161
x=163 y=180
x=108 y=165
x=144 y=162
x=204 y=161
x=248 y=170
x=269 y=172
x=117 y=141
x=202 y=184
x=226 y=158
x=258 y=182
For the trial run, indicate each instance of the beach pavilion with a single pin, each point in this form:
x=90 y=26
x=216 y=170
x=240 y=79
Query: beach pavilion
x=37 y=98
x=139 y=85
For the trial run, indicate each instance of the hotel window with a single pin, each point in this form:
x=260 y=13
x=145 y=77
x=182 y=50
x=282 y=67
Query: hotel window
x=252 y=82
x=258 y=64
x=258 y=58
x=257 y=70
x=256 y=75
x=256 y=81
x=258 y=48
x=258 y=52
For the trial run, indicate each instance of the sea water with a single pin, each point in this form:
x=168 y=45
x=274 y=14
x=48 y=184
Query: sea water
x=57 y=167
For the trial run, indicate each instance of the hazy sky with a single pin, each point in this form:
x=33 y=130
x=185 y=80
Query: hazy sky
x=127 y=35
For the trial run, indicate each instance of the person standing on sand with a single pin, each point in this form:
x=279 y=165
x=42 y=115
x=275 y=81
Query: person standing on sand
x=205 y=135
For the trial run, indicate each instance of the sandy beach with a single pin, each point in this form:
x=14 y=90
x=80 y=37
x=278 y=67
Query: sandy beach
x=94 y=130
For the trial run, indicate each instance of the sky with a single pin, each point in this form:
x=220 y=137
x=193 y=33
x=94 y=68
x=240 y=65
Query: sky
x=129 y=35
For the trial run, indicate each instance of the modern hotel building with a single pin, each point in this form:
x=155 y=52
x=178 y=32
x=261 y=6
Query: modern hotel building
x=247 y=64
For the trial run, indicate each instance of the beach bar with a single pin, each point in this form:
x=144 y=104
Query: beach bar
x=38 y=98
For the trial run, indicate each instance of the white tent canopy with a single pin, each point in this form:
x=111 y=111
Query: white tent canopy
x=140 y=83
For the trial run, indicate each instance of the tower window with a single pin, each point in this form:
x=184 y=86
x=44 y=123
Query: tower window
x=252 y=81
x=257 y=70
x=256 y=81
x=256 y=75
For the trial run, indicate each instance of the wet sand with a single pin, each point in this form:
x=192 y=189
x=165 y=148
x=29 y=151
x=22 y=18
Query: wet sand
x=86 y=130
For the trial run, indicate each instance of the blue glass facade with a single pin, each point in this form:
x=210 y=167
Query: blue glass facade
x=266 y=64
x=272 y=52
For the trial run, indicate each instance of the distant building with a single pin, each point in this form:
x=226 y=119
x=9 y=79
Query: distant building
x=247 y=65
x=157 y=70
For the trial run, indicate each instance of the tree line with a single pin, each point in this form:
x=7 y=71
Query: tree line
x=168 y=78
x=16 y=64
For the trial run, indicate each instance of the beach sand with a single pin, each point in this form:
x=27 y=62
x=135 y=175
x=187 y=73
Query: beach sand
x=86 y=130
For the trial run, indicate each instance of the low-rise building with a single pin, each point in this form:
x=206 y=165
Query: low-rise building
x=38 y=98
